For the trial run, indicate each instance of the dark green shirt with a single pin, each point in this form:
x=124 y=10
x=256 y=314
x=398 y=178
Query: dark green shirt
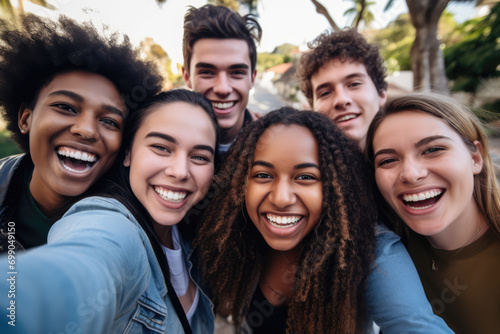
x=32 y=226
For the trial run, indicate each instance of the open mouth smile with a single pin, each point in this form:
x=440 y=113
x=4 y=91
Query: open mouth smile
x=346 y=118
x=169 y=195
x=282 y=221
x=223 y=105
x=76 y=161
x=422 y=200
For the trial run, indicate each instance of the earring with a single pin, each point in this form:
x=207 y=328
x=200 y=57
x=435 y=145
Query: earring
x=22 y=130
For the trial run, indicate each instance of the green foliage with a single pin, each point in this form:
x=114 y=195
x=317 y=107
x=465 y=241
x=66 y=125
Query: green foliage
x=396 y=39
x=476 y=56
x=7 y=146
x=285 y=49
x=356 y=10
x=267 y=60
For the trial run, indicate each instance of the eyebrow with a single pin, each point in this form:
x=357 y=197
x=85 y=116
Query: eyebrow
x=232 y=67
x=79 y=98
x=420 y=143
x=174 y=141
x=299 y=166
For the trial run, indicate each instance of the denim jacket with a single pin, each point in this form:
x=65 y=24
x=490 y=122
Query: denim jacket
x=97 y=274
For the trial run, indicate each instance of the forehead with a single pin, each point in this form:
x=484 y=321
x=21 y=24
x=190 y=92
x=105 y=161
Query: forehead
x=181 y=118
x=337 y=70
x=412 y=125
x=220 y=52
x=287 y=143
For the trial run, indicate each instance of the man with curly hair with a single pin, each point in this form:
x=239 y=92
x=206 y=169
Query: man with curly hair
x=343 y=77
x=220 y=58
x=65 y=93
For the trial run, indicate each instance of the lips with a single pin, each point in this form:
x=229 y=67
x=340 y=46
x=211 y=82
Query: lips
x=170 y=195
x=223 y=107
x=422 y=200
x=76 y=161
x=345 y=118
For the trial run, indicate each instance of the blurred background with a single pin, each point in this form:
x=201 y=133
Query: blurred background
x=451 y=46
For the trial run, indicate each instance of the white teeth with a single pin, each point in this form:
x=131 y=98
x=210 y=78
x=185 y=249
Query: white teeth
x=75 y=154
x=283 y=221
x=171 y=196
x=224 y=105
x=422 y=196
x=346 y=118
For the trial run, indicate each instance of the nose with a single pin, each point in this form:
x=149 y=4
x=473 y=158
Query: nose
x=85 y=127
x=342 y=99
x=282 y=194
x=412 y=171
x=177 y=167
x=222 y=85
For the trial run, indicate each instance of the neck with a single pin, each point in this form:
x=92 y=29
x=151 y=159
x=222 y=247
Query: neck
x=164 y=234
x=461 y=233
x=278 y=278
x=48 y=202
x=229 y=135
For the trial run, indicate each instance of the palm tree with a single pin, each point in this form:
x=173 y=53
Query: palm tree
x=361 y=13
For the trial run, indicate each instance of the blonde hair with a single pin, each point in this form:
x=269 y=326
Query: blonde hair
x=467 y=125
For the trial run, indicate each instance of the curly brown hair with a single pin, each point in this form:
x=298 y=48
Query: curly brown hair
x=336 y=256
x=345 y=45
x=30 y=57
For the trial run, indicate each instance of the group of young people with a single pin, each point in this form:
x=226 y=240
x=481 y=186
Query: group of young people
x=144 y=211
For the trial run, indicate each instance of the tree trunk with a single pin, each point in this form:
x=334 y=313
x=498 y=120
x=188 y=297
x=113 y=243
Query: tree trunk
x=322 y=10
x=426 y=54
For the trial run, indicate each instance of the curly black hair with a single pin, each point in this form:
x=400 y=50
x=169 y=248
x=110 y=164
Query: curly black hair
x=336 y=256
x=345 y=45
x=30 y=57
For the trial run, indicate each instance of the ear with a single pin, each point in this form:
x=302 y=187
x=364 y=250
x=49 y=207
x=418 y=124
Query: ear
x=382 y=99
x=126 y=161
x=477 y=158
x=186 y=77
x=254 y=74
x=24 y=119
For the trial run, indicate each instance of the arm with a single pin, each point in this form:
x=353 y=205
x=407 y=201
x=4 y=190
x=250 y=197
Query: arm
x=93 y=267
x=395 y=296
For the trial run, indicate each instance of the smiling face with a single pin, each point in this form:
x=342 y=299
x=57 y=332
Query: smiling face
x=345 y=92
x=221 y=70
x=172 y=160
x=75 y=131
x=426 y=174
x=284 y=191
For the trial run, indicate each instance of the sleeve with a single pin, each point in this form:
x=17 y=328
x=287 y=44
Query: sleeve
x=94 y=266
x=395 y=296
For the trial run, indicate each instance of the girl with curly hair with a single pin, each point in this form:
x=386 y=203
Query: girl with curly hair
x=433 y=168
x=290 y=242
x=65 y=92
x=117 y=262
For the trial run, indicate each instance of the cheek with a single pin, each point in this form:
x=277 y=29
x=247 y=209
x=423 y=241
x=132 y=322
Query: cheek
x=204 y=176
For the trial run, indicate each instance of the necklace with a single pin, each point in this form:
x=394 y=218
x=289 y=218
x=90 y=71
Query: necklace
x=434 y=266
x=276 y=292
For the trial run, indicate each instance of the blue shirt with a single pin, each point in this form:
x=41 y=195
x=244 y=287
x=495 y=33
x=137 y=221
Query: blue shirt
x=97 y=274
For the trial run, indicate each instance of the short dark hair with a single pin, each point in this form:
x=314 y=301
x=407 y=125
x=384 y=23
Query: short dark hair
x=345 y=45
x=32 y=56
x=211 y=21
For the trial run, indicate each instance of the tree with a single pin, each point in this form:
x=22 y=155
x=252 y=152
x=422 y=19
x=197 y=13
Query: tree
x=360 y=12
x=476 y=57
x=323 y=11
x=426 y=52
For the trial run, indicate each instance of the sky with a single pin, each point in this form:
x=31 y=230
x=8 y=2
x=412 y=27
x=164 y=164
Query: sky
x=283 y=21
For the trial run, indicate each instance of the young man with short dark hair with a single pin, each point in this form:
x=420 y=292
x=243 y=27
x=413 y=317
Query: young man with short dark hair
x=220 y=58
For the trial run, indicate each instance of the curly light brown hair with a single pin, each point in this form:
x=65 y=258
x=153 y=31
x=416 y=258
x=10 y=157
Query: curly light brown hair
x=345 y=45
x=335 y=260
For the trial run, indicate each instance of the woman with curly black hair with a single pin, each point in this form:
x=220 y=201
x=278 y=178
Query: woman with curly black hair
x=290 y=242
x=65 y=91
